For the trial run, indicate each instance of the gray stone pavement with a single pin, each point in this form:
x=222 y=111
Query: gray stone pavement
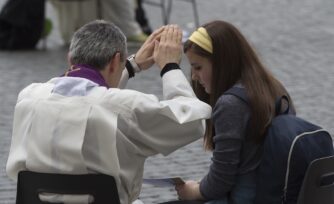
x=295 y=39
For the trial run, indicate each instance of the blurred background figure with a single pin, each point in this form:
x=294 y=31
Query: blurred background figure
x=141 y=18
x=73 y=14
x=22 y=24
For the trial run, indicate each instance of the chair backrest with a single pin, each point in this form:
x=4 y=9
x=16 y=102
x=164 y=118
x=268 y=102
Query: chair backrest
x=318 y=184
x=185 y=202
x=30 y=184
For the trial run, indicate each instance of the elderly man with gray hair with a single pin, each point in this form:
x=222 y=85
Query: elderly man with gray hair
x=83 y=122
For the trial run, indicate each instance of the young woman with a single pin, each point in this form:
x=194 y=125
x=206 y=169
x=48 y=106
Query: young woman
x=221 y=58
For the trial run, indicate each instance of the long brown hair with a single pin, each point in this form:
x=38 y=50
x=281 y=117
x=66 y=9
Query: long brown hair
x=233 y=60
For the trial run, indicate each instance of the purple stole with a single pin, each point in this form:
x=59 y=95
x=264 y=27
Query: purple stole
x=86 y=72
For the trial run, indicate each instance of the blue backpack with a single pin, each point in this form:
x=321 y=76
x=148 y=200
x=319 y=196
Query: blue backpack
x=290 y=145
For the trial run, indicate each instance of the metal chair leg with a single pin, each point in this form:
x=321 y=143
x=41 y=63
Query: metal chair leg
x=99 y=10
x=169 y=9
x=166 y=10
x=195 y=13
x=163 y=12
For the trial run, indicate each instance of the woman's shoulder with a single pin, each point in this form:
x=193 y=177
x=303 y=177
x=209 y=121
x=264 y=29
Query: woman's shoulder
x=230 y=100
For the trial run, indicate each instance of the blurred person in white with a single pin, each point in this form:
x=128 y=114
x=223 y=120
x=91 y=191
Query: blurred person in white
x=72 y=14
x=82 y=122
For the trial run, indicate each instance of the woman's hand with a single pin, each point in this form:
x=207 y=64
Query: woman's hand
x=189 y=191
x=144 y=56
x=169 y=49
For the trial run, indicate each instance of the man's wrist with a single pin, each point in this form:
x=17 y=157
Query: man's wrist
x=131 y=66
x=133 y=63
x=168 y=67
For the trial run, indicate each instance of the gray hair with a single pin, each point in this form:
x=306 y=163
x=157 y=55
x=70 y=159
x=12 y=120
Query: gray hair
x=96 y=43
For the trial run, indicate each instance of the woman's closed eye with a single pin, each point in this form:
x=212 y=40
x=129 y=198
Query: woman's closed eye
x=196 y=68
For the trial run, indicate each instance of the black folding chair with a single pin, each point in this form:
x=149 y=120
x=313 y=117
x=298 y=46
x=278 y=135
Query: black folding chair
x=318 y=184
x=30 y=184
x=185 y=202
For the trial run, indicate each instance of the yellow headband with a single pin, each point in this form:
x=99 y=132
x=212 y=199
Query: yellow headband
x=202 y=39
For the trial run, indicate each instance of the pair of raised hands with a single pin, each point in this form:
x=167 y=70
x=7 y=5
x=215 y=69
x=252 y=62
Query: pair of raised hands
x=163 y=46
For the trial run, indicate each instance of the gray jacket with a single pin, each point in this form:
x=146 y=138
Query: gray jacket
x=234 y=154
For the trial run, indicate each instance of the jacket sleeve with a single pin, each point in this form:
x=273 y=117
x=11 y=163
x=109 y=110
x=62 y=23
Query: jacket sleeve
x=164 y=126
x=230 y=117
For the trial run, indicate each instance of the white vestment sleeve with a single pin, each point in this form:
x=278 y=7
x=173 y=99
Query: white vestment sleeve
x=164 y=126
x=124 y=79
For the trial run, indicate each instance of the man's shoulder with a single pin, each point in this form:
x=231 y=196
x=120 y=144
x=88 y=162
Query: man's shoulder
x=34 y=89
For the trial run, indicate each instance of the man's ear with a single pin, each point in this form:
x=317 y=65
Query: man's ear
x=115 y=62
x=69 y=60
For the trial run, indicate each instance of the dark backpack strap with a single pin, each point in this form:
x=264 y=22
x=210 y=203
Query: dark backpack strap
x=241 y=94
x=238 y=92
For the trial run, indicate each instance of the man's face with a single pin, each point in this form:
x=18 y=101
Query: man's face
x=113 y=72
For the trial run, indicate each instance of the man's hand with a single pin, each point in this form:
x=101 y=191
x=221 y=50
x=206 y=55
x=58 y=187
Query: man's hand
x=144 y=56
x=169 y=49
